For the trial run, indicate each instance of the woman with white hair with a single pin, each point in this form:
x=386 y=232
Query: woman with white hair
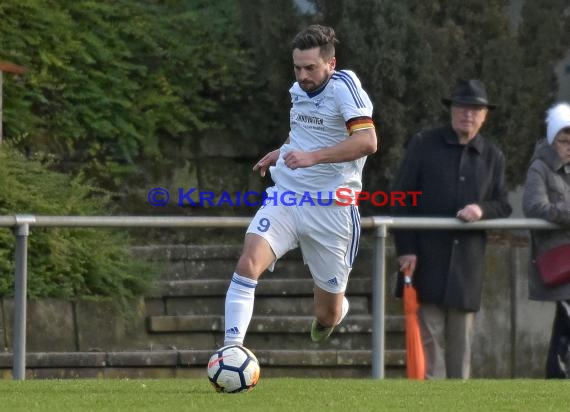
x=547 y=196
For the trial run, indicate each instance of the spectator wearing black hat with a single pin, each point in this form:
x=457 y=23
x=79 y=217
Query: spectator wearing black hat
x=460 y=174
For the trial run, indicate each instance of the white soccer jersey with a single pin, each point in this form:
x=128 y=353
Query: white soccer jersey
x=323 y=119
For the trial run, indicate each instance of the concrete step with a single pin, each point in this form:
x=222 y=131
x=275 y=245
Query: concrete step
x=192 y=363
x=196 y=252
x=273 y=296
x=186 y=262
x=302 y=341
x=275 y=332
x=265 y=287
x=264 y=305
x=267 y=324
x=272 y=340
x=223 y=269
x=217 y=252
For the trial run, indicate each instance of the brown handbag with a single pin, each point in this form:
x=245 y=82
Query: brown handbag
x=554 y=265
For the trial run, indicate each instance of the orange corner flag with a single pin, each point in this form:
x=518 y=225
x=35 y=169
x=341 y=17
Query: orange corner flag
x=415 y=360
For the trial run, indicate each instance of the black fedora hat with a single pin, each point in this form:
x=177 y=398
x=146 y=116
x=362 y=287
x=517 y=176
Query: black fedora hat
x=469 y=92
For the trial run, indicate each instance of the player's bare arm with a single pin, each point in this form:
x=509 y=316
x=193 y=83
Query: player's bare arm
x=270 y=159
x=266 y=161
x=361 y=143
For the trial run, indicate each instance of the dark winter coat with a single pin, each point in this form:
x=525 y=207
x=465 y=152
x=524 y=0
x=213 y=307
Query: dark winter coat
x=547 y=196
x=450 y=176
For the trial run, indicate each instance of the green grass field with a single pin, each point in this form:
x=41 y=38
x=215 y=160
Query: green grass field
x=290 y=395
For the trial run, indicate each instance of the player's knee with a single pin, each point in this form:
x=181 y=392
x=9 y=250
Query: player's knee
x=249 y=267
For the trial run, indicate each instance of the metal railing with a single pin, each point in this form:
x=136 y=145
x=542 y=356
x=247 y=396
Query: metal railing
x=380 y=225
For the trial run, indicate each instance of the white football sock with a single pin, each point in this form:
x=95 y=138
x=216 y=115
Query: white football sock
x=239 y=308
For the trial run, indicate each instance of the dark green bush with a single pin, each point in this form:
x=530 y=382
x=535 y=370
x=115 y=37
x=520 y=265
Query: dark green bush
x=64 y=262
x=119 y=88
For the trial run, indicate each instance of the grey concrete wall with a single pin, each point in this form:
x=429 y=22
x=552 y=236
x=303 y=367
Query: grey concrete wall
x=512 y=332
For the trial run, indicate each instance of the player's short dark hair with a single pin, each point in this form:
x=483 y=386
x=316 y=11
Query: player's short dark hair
x=317 y=36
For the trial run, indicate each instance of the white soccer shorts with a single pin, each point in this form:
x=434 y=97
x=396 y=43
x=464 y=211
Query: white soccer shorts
x=327 y=235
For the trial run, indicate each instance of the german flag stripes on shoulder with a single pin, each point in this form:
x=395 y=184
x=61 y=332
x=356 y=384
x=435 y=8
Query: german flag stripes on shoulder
x=359 y=123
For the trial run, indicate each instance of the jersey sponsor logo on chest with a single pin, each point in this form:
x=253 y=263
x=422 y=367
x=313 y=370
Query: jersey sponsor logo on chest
x=303 y=118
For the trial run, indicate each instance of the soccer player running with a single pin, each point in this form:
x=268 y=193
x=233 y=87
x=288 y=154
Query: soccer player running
x=331 y=134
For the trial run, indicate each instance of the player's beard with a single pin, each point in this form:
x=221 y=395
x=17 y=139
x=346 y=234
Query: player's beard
x=310 y=86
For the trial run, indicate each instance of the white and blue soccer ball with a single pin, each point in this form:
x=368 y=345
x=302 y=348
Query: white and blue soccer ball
x=233 y=369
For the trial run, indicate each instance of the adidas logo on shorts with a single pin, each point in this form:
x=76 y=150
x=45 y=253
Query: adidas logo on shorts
x=332 y=282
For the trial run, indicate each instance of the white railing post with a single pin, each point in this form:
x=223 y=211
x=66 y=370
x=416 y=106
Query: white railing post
x=378 y=297
x=20 y=305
